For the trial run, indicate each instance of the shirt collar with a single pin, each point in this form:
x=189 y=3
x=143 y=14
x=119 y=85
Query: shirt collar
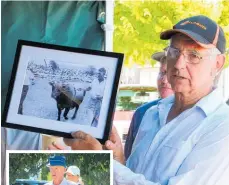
x=211 y=102
x=208 y=103
x=168 y=100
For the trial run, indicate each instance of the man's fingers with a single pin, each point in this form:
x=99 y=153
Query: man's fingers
x=114 y=131
x=52 y=147
x=110 y=145
x=114 y=135
x=82 y=135
x=83 y=141
x=58 y=146
x=69 y=142
x=75 y=144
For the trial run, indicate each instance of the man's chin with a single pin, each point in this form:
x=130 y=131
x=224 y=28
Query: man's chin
x=180 y=89
x=165 y=92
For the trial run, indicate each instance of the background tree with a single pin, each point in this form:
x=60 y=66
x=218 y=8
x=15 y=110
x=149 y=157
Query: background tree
x=54 y=66
x=94 y=168
x=138 y=24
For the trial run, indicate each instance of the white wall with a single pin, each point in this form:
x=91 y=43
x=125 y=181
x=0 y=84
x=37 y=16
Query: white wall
x=224 y=83
x=109 y=26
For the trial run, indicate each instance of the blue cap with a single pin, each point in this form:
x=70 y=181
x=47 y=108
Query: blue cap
x=57 y=160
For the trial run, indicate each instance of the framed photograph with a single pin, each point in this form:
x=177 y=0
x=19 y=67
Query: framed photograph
x=57 y=90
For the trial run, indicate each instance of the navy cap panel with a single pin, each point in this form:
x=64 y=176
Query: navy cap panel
x=221 y=44
x=201 y=25
x=168 y=34
x=57 y=161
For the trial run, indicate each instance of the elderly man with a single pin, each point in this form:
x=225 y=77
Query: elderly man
x=57 y=167
x=184 y=140
x=164 y=89
x=73 y=174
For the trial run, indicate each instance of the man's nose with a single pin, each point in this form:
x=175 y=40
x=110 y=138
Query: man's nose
x=180 y=62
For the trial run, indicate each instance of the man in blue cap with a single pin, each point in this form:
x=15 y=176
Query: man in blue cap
x=57 y=167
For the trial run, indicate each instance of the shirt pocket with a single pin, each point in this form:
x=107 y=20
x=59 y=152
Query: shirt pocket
x=170 y=157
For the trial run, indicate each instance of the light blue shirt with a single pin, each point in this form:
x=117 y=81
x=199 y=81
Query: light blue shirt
x=64 y=182
x=13 y=139
x=191 y=149
x=21 y=140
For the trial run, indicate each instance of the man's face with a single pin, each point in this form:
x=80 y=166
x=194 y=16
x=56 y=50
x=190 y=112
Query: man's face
x=57 y=173
x=101 y=75
x=163 y=85
x=73 y=178
x=185 y=76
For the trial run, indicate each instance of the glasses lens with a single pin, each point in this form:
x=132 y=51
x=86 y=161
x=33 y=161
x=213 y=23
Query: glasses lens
x=192 y=57
x=173 y=53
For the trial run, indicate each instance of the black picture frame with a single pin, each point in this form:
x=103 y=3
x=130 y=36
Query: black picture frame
x=13 y=117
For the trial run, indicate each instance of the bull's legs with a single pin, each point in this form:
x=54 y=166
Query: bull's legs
x=74 y=115
x=66 y=112
x=59 y=113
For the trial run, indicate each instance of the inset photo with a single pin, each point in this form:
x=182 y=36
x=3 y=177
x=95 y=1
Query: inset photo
x=59 y=168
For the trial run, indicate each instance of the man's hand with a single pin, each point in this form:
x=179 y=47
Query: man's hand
x=114 y=143
x=56 y=146
x=83 y=141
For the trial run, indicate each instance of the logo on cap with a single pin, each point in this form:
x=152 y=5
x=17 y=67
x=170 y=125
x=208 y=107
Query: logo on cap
x=196 y=23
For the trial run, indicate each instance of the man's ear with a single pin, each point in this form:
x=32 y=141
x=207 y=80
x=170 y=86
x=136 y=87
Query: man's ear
x=220 y=60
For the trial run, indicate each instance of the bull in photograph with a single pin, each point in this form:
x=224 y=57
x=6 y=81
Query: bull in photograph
x=67 y=97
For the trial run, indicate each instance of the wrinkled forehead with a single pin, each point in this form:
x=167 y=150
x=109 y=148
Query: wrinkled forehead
x=182 y=41
x=56 y=167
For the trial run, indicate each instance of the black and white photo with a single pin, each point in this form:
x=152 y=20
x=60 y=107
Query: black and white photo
x=60 y=89
x=56 y=91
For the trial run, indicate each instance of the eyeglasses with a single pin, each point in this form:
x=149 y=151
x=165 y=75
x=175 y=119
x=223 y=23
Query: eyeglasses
x=190 y=56
x=161 y=75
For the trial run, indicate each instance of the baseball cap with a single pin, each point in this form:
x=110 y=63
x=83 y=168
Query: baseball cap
x=57 y=161
x=202 y=30
x=158 y=56
x=74 y=170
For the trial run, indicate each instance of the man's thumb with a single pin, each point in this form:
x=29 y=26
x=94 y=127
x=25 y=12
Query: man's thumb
x=110 y=145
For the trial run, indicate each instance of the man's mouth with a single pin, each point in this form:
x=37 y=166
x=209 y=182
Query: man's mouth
x=179 y=77
x=165 y=88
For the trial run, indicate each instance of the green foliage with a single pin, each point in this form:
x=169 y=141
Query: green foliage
x=126 y=104
x=25 y=165
x=95 y=168
x=138 y=24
